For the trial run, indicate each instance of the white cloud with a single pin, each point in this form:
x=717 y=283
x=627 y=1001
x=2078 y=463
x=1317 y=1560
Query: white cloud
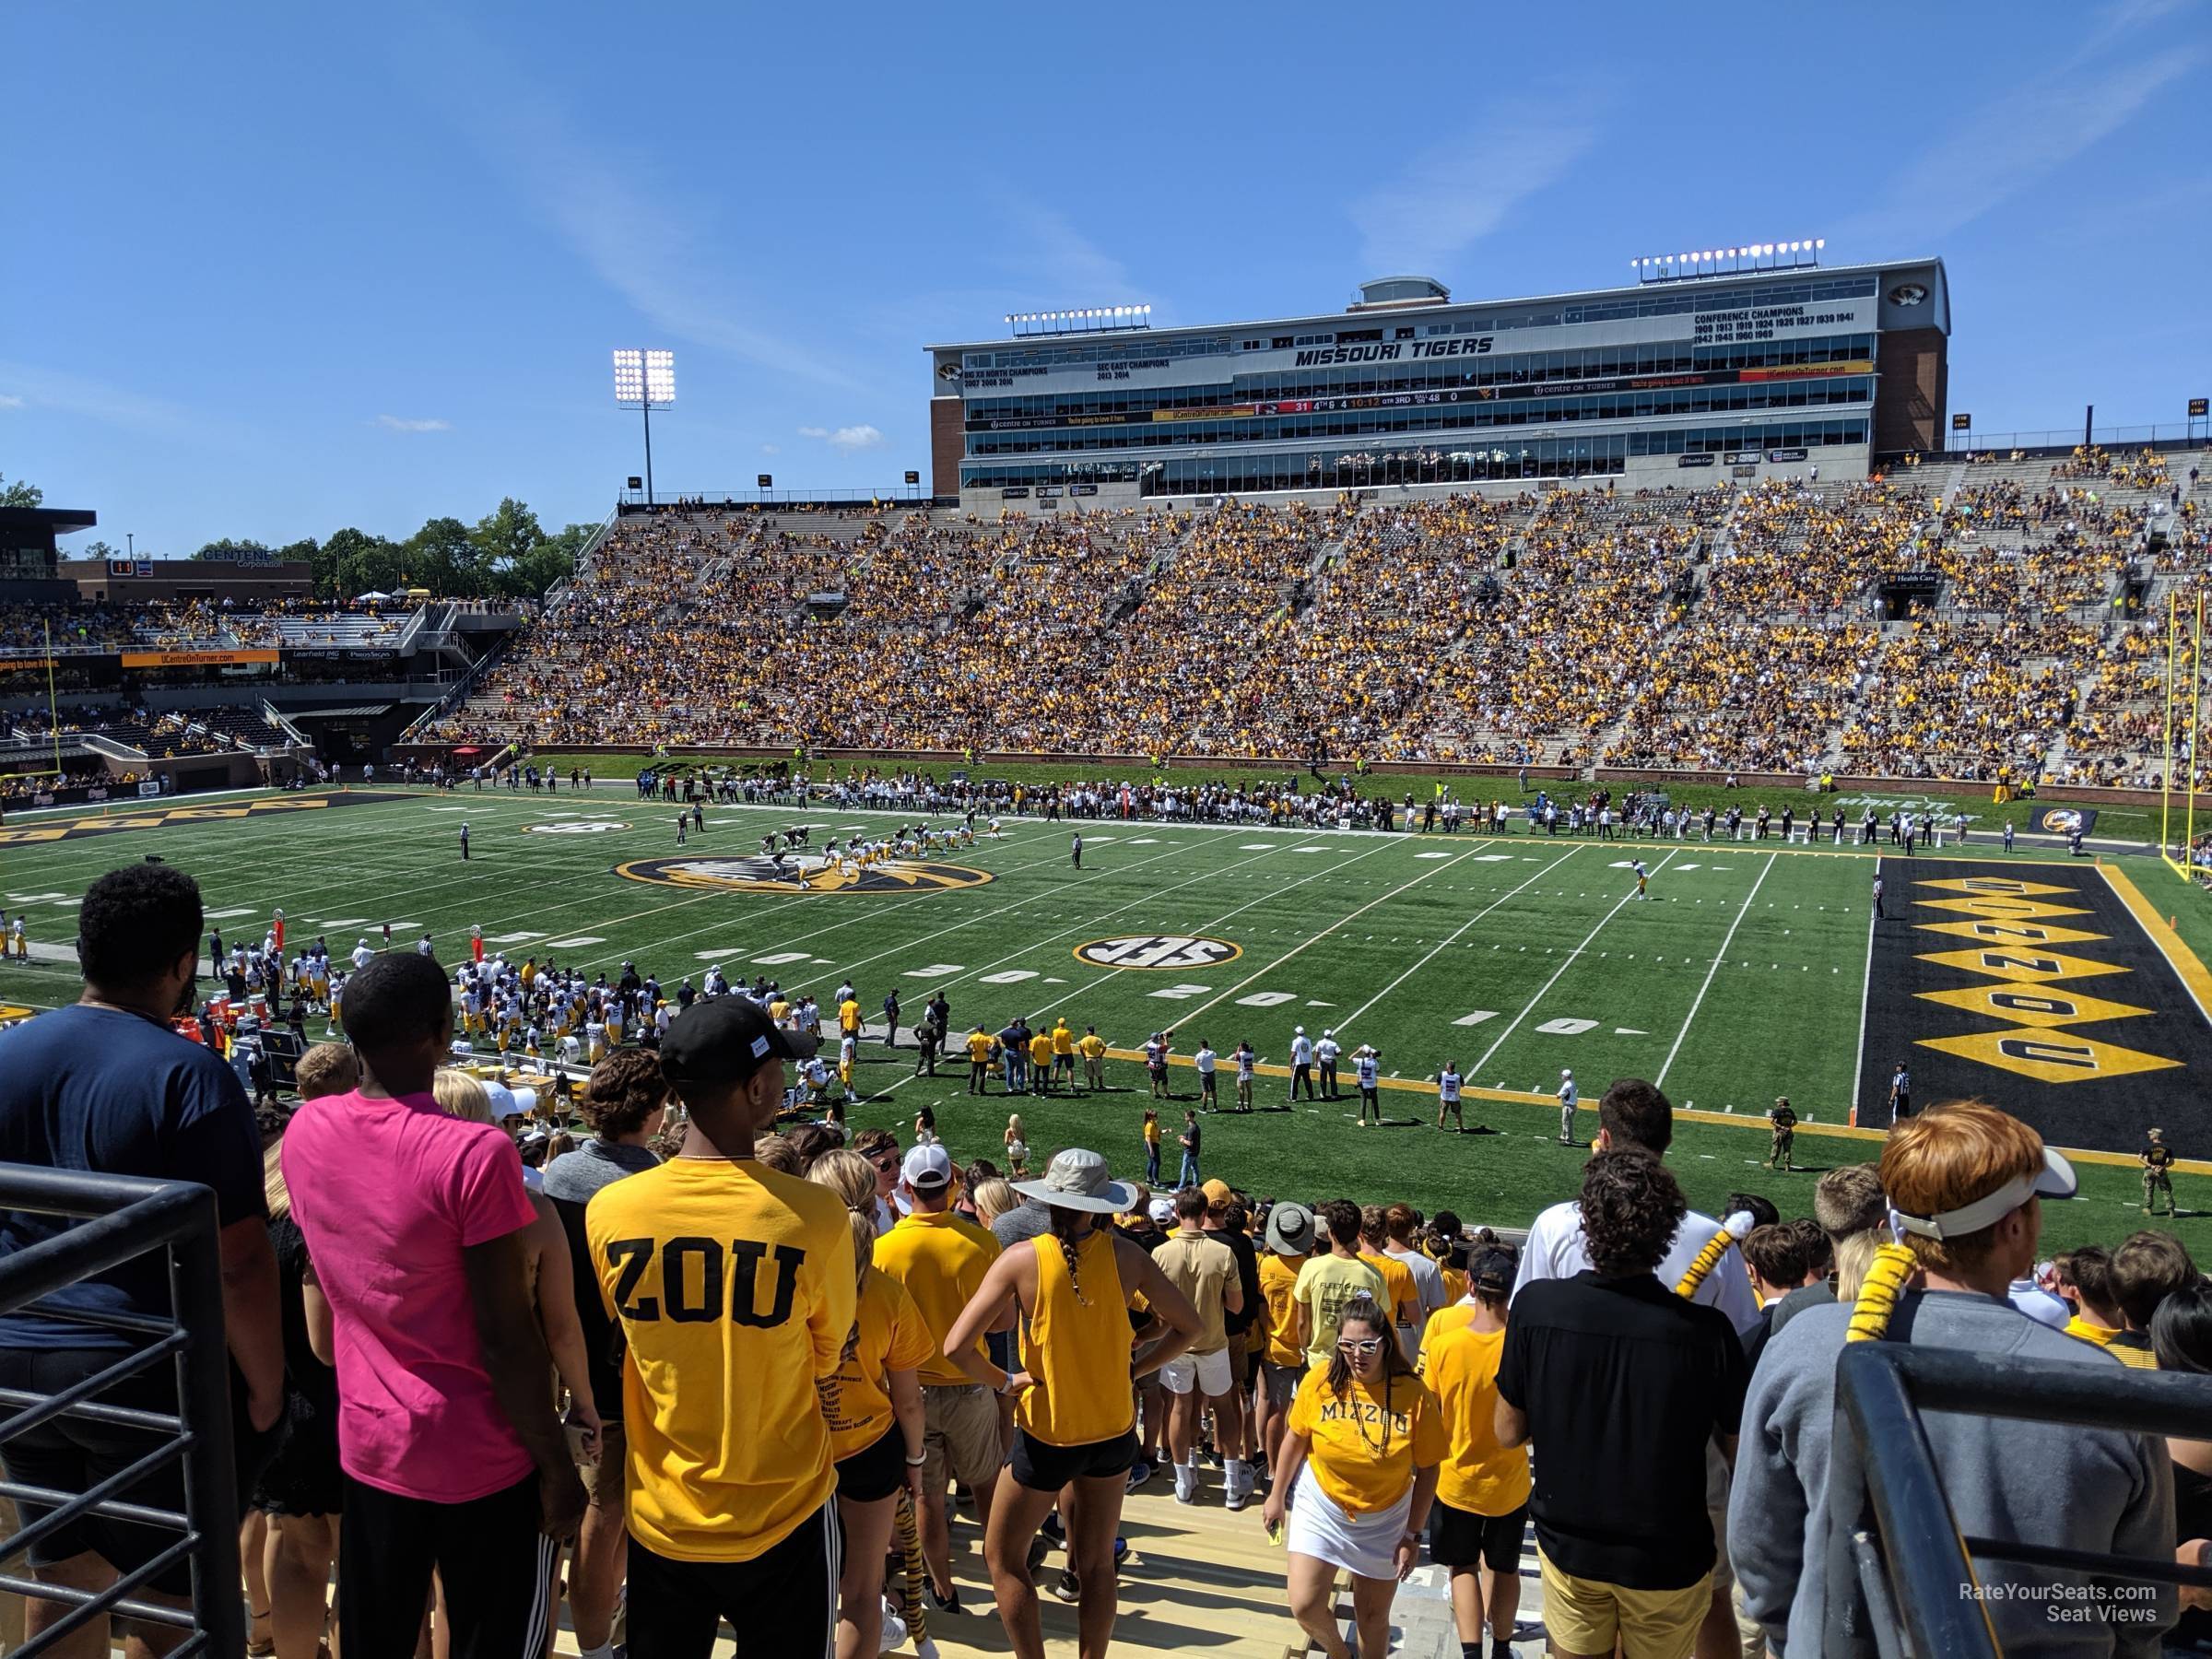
x=772 y=448
x=2012 y=141
x=846 y=438
x=639 y=235
x=1463 y=190
x=115 y=406
x=397 y=423
x=8 y=401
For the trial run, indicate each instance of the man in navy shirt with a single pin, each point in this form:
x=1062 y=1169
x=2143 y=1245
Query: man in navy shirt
x=106 y=1087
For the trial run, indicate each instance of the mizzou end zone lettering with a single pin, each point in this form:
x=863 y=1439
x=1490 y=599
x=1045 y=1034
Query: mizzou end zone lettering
x=2037 y=990
x=115 y=823
x=2011 y=912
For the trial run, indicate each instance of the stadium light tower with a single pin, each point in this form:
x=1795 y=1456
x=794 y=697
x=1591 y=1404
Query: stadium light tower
x=645 y=380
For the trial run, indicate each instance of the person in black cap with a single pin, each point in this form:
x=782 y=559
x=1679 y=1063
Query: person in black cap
x=739 y=1281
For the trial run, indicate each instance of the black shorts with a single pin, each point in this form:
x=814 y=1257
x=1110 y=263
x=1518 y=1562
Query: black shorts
x=875 y=1471
x=1045 y=1468
x=784 y=1599
x=1460 y=1539
x=74 y=1454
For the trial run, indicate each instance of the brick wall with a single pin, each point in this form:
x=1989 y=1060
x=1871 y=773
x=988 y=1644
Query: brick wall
x=1912 y=394
x=947 y=444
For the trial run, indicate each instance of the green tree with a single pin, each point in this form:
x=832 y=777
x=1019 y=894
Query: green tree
x=101 y=549
x=502 y=538
x=442 y=557
x=362 y=563
x=20 y=494
x=552 y=561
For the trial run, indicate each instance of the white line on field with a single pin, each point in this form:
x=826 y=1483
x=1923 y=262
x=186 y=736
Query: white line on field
x=1719 y=957
x=1858 y=1064
x=1514 y=1024
x=1403 y=887
x=1353 y=1018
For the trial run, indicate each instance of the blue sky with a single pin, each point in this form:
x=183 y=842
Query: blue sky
x=275 y=269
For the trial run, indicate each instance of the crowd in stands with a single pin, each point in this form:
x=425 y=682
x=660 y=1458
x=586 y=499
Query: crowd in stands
x=176 y=625
x=958 y=1368
x=158 y=733
x=1733 y=628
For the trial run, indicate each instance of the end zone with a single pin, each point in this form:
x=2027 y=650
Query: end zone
x=158 y=818
x=2054 y=992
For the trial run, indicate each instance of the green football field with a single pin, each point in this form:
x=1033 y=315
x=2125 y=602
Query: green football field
x=1743 y=976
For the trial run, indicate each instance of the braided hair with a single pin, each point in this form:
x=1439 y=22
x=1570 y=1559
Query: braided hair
x=1070 y=1228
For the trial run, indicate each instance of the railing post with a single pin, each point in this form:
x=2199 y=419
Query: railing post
x=195 y=1277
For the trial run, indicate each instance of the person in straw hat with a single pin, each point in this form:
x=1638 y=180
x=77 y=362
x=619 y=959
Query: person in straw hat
x=1074 y=1421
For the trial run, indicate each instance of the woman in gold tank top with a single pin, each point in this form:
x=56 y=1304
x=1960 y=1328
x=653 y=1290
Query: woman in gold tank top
x=1073 y=1437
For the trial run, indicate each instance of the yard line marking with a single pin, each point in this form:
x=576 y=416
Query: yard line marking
x=1661 y=1079
x=1084 y=925
x=1252 y=980
x=1353 y=1017
x=1858 y=1063
x=1553 y=980
x=815 y=932
x=1061 y=1001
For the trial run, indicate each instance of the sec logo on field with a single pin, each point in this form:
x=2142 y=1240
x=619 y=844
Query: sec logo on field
x=1157 y=950
x=802 y=874
x=582 y=827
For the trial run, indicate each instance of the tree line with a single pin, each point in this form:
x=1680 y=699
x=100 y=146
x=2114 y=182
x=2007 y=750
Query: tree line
x=505 y=554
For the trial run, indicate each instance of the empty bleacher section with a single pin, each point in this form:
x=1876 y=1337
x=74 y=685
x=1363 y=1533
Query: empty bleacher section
x=1965 y=619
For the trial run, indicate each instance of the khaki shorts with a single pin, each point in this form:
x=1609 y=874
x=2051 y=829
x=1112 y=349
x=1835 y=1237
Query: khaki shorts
x=1586 y=1617
x=960 y=1436
x=603 y=1481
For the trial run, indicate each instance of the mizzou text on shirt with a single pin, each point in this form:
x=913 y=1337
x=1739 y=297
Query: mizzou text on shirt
x=732 y=1283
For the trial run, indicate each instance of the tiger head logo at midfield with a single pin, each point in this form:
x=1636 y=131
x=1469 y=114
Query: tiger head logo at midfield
x=808 y=873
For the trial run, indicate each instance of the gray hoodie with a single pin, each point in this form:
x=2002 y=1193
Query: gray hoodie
x=2083 y=1489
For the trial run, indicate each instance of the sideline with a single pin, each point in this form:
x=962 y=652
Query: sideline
x=1730 y=1120
x=2179 y=957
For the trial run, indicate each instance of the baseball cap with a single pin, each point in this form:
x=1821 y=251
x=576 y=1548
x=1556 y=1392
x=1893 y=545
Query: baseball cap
x=726 y=1040
x=1491 y=1269
x=1163 y=1211
x=927 y=1167
x=503 y=1103
x=1291 y=1229
x=1217 y=1191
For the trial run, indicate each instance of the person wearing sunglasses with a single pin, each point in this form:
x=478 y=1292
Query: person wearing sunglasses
x=1358 y=1469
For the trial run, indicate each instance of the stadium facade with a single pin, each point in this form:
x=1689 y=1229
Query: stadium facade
x=1746 y=374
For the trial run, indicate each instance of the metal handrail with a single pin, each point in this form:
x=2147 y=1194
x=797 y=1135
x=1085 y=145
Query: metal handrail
x=1904 y=1574
x=119 y=1218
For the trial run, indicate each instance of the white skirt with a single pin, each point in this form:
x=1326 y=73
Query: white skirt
x=1365 y=1545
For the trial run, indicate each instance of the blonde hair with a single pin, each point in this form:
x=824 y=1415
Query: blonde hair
x=1948 y=1157
x=1854 y=1255
x=461 y=1096
x=328 y=1068
x=853 y=1179
x=994 y=1198
x=1014 y=1127
x=778 y=1152
x=279 y=1195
